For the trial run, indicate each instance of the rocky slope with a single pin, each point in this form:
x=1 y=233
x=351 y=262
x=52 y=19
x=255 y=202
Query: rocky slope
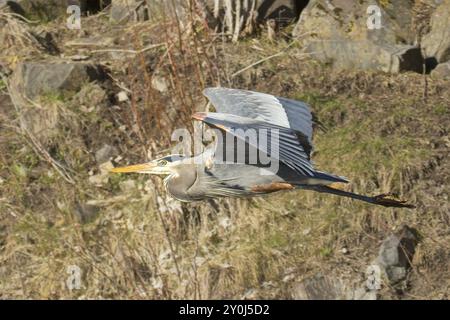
x=75 y=102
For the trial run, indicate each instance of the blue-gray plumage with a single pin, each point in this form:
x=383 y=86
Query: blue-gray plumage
x=288 y=125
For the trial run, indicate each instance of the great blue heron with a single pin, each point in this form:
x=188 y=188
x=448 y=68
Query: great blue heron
x=207 y=176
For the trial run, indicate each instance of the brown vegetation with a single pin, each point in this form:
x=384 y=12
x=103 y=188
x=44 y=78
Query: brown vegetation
x=384 y=132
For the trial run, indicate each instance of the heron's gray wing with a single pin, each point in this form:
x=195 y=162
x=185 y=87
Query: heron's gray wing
x=281 y=144
x=264 y=107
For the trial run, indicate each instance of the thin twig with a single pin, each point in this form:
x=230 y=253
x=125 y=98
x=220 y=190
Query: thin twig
x=152 y=46
x=265 y=59
x=169 y=241
x=34 y=142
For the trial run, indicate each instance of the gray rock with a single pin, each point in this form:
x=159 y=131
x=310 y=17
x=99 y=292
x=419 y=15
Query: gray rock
x=105 y=153
x=393 y=262
x=442 y=71
x=126 y=10
x=337 y=32
x=362 y=294
x=365 y=55
x=122 y=96
x=436 y=43
x=159 y=83
x=396 y=254
x=347 y=19
x=86 y=213
x=54 y=80
x=37 y=78
x=319 y=287
x=327 y=287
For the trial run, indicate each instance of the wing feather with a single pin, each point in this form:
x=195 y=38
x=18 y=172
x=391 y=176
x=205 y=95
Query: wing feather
x=283 y=139
x=264 y=107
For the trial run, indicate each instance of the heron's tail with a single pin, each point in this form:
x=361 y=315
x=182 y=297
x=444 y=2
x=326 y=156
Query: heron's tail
x=385 y=200
x=328 y=177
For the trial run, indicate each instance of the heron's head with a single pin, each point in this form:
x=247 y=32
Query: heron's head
x=162 y=166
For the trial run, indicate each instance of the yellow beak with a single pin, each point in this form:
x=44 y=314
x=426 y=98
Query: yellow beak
x=144 y=167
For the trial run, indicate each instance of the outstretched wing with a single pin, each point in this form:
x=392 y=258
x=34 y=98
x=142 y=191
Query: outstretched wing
x=281 y=143
x=282 y=112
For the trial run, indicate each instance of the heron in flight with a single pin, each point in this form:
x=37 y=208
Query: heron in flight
x=207 y=176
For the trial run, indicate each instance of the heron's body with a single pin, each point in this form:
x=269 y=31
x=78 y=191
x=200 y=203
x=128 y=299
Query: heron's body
x=287 y=125
x=193 y=182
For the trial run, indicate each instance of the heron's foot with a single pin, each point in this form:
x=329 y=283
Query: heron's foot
x=388 y=200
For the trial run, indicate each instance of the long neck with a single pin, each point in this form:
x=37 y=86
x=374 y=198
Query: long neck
x=178 y=183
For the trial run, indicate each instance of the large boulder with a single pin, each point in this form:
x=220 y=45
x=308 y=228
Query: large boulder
x=396 y=254
x=53 y=81
x=125 y=10
x=345 y=34
x=365 y=55
x=436 y=43
x=50 y=83
x=319 y=287
x=442 y=71
x=349 y=20
x=38 y=78
x=328 y=287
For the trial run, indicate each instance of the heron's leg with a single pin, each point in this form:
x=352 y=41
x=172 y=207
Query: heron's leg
x=382 y=199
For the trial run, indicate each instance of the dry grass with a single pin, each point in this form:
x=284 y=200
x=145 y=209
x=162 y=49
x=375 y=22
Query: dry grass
x=16 y=39
x=141 y=245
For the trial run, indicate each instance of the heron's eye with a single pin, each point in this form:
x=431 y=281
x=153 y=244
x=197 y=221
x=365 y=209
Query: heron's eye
x=162 y=163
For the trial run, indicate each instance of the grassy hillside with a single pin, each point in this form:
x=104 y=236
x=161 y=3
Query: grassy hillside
x=386 y=133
